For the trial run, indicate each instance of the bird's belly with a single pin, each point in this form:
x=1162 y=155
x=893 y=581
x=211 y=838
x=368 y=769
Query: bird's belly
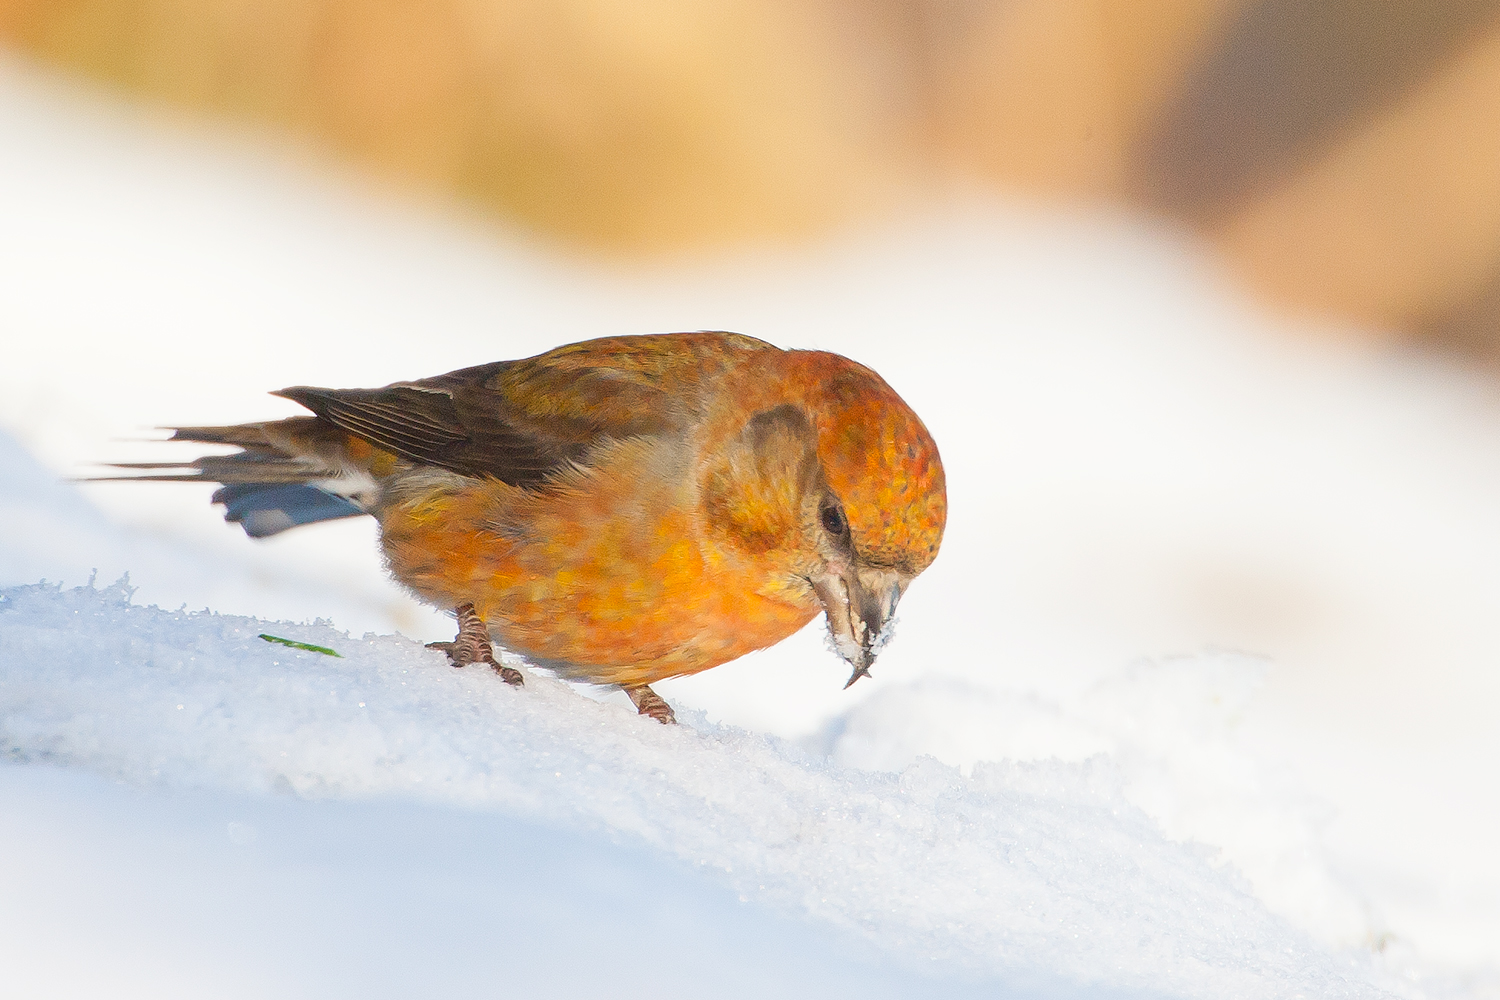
x=631 y=632
x=618 y=600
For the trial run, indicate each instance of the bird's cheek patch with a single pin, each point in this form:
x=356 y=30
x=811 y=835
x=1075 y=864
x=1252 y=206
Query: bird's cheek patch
x=754 y=490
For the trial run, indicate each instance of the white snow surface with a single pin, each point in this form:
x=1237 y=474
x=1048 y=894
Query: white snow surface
x=1144 y=472
x=1018 y=870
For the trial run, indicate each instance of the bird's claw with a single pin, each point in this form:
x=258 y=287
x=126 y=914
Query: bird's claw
x=472 y=645
x=648 y=702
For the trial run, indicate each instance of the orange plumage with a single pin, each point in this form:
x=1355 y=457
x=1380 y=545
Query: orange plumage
x=621 y=510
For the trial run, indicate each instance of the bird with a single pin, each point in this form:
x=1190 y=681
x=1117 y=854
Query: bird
x=619 y=510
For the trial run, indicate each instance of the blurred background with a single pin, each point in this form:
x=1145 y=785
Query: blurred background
x=1200 y=298
x=1340 y=156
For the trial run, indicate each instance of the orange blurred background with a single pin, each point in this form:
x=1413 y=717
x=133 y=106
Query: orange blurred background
x=1343 y=156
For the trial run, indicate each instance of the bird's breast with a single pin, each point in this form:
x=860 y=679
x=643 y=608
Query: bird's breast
x=613 y=583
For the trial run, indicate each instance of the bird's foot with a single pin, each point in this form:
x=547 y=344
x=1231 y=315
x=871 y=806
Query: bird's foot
x=648 y=702
x=472 y=645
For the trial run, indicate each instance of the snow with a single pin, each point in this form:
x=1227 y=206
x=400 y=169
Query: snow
x=1015 y=872
x=123 y=892
x=1144 y=473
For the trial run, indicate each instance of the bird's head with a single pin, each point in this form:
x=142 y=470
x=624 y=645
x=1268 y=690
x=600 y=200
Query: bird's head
x=839 y=491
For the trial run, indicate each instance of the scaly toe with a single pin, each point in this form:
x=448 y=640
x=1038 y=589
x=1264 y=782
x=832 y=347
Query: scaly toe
x=661 y=713
x=657 y=708
x=446 y=648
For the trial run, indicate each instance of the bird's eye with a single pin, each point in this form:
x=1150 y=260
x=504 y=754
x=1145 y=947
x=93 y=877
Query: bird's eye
x=833 y=519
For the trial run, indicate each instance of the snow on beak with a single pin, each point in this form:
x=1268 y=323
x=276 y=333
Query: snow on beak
x=860 y=606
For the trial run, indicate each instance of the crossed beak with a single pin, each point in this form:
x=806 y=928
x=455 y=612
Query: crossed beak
x=859 y=605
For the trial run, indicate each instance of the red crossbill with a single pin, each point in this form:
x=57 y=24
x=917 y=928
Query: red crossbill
x=621 y=510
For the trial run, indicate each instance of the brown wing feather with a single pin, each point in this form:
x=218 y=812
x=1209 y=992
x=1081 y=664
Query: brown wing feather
x=434 y=428
x=521 y=421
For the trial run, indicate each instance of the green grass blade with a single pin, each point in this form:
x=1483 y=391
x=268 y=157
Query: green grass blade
x=302 y=645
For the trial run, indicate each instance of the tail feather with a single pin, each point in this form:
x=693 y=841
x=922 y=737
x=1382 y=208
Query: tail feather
x=287 y=473
x=265 y=509
x=244 y=435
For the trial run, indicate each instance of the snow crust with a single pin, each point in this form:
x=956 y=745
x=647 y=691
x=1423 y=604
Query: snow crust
x=1015 y=870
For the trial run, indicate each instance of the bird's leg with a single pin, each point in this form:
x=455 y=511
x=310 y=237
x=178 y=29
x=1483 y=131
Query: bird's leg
x=472 y=645
x=648 y=702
